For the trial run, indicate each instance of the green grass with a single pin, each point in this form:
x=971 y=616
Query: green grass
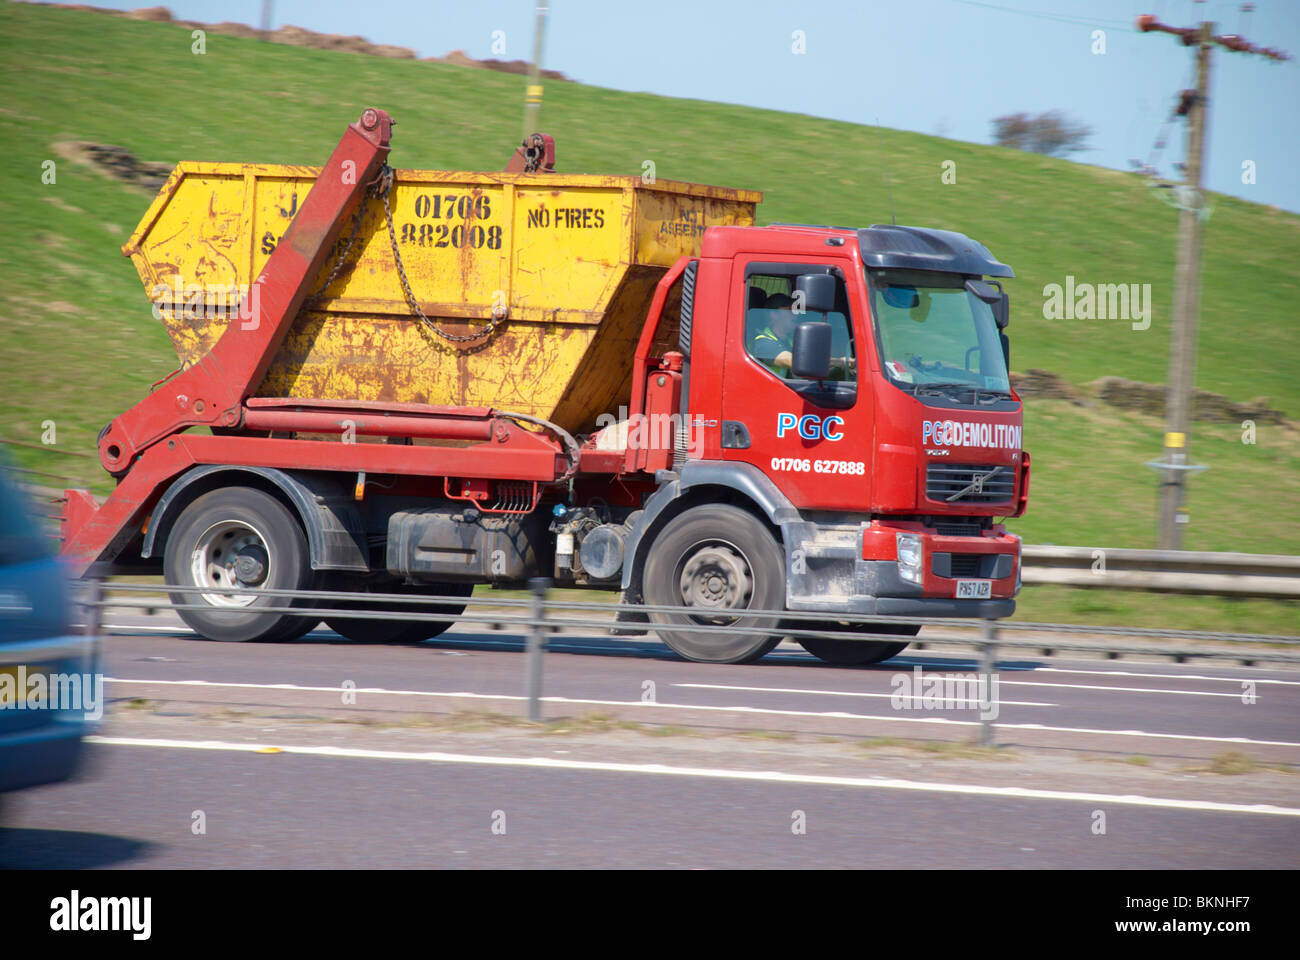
x=1042 y=603
x=1232 y=763
x=940 y=749
x=80 y=344
x=1089 y=484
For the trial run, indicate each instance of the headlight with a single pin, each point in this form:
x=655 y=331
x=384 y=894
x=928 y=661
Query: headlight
x=909 y=557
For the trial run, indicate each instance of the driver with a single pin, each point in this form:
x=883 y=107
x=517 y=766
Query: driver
x=773 y=344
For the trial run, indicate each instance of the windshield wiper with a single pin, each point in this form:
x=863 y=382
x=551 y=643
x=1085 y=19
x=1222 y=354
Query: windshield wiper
x=947 y=389
x=938 y=388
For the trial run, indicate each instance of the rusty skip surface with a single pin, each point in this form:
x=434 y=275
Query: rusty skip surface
x=571 y=260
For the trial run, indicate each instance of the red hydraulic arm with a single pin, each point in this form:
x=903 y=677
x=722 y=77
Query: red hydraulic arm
x=213 y=391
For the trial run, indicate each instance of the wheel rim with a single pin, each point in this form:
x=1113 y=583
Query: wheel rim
x=715 y=577
x=231 y=554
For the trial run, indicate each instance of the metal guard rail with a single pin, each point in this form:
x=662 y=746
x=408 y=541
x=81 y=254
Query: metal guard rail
x=539 y=624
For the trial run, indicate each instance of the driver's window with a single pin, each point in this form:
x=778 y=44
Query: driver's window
x=773 y=308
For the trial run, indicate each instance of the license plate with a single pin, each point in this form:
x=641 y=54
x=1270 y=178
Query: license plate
x=974 y=589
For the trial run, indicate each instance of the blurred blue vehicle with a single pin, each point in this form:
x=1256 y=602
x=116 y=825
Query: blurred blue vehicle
x=50 y=693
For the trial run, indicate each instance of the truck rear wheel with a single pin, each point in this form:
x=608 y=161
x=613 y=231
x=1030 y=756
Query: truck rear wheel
x=855 y=653
x=400 y=631
x=717 y=561
x=239 y=537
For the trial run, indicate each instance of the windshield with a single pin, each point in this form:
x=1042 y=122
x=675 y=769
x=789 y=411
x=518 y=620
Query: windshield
x=935 y=335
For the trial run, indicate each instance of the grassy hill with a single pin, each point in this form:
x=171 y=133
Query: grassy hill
x=80 y=345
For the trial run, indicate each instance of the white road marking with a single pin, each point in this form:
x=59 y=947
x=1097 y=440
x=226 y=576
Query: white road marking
x=853 y=693
x=1165 y=676
x=832 y=714
x=176 y=628
x=1001 y=682
x=656 y=769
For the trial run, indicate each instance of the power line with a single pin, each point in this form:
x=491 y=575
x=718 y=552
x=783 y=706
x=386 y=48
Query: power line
x=1040 y=15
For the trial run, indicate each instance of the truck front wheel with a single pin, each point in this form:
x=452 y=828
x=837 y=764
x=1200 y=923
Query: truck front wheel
x=715 y=562
x=239 y=537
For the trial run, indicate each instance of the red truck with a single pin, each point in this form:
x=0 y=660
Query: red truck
x=809 y=418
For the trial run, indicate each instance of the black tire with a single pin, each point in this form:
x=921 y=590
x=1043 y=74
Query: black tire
x=239 y=532
x=305 y=626
x=400 y=631
x=717 y=559
x=855 y=653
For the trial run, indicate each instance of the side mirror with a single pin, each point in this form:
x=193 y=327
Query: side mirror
x=818 y=291
x=811 y=356
x=995 y=297
x=1006 y=351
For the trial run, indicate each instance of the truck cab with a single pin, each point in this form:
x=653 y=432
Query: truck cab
x=852 y=386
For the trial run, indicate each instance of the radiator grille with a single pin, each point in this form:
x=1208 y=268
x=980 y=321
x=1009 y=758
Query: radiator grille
x=966 y=564
x=957 y=528
x=969 y=483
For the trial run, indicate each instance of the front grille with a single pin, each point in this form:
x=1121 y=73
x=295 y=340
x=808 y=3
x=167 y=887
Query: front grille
x=969 y=483
x=958 y=528
x=971 y=566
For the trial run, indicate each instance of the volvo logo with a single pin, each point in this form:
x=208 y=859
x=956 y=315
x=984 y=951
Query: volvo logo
x=976 y=486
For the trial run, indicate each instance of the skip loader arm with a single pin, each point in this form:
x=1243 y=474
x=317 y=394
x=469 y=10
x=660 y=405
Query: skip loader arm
x=212 y=392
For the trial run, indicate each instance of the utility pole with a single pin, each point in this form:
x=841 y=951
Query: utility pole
x=266 y=18
x=1187 y=275
x=533 y=97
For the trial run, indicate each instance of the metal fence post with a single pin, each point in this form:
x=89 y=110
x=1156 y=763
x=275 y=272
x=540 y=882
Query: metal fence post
x=94 y=609
x=988 y=667
x=536 y=644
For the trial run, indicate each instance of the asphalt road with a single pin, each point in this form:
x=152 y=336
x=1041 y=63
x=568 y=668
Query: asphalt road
x=285 y=811
x=323 y=754
x=1126 y=706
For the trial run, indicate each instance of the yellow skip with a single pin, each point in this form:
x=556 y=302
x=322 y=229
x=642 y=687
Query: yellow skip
x=571 y=260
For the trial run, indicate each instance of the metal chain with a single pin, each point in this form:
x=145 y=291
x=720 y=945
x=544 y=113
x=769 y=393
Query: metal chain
x=483 y=332
x=378 y=186
x=381 y=187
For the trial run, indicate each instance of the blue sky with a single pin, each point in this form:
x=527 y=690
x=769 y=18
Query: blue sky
x=943 y=67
